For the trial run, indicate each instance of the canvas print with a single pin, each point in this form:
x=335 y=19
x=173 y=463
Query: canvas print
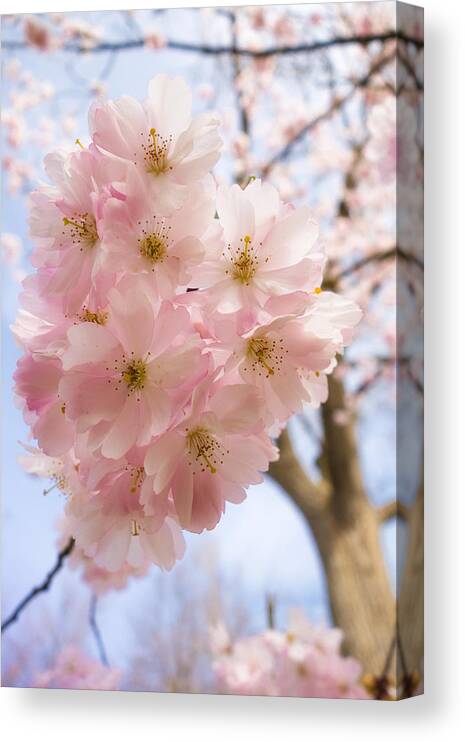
x=212 y=261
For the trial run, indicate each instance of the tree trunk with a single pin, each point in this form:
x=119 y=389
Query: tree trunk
x=411 y=607
x=346 y=529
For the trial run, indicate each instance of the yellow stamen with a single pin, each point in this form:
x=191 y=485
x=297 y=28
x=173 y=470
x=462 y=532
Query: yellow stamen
x=156 y=152
x=99 y=317
x=262 y=351
x=135 y=528
x=153 y=248
x=203 y=446
x=79 y=143
x=135 y=375
x=83 y=230
x=137 y=477
x=246 y=263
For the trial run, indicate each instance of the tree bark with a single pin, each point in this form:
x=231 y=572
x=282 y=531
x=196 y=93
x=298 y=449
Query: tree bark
x=411 y=605
x=346 y=529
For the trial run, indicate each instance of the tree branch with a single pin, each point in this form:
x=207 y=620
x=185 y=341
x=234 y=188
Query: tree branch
x=96 y=631
x=340 y=454
x=43 y=587
x=361 y=39
x=394 y=509
x=337 y=103
x=287 y=471
x=379 y=257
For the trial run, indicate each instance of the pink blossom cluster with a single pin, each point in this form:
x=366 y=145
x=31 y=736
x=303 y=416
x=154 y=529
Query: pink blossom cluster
x=73 y=669
x=169 y=329
x=305 y=661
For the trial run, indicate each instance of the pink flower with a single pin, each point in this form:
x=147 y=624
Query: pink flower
x=65 y=221
x=286 y=361
x=306 y=661
x=137 y=239
x=120 y=378
x=75 y=670
x=212 y=455
x=11 y=248
x=265 y=249
x=170 y=149
x=38 y=464
x=99 y=579
x=153 y=39
x=37 y=380
x=111 y=526
x=153 y=404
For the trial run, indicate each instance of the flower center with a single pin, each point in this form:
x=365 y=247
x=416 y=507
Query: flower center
x=98 y=318
x=137 y=477
x=156 y=153
x=244 y=262
x=135 y=375
x=82 y=229
x=205 y=449
x=153 y=248
x=265 y=354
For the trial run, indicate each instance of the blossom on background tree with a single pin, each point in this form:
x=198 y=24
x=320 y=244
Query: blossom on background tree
x=304 y=661
x=73 y=669
x=159 y=401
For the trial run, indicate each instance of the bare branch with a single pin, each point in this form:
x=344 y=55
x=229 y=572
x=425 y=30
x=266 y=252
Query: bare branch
x=394 y=509
x=380 y=257
x=109 y=46
x=287 y=471
x=343 y=462
x=337 y=103
x=43 y=587
x=96 y=631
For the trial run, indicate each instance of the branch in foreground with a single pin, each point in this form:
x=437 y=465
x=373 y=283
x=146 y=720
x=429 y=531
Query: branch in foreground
x=42 y=588
x=109 y=46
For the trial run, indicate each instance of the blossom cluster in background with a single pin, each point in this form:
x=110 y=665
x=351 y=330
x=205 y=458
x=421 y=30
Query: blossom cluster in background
x=305 y=661
x=75 y=670
x=170 y=328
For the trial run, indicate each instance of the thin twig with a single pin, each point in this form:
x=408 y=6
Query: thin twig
x=379 y=257
x=337 y=103
x=96 y=631
x=43 y=587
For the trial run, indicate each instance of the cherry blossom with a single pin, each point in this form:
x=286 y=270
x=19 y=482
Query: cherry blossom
x=139 y=240
x=112 y=527
x=164 y=348
x=266 y=248
x=212 y=455
x=64 y=220
x=305 y=661
x=122 y=373
x=74 y=669
x=37 y=380
x=169 y=147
